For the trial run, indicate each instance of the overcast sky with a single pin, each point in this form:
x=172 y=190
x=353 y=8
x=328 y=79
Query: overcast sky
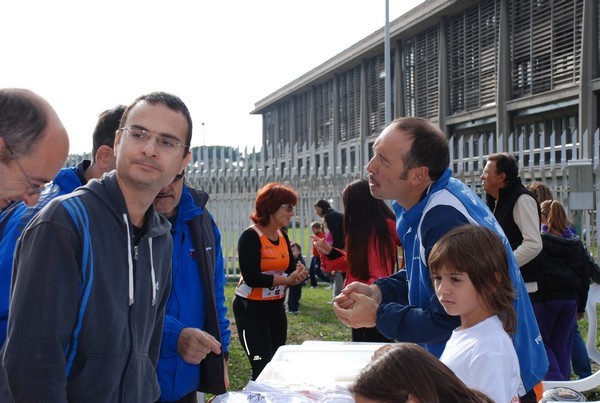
x=220 y=57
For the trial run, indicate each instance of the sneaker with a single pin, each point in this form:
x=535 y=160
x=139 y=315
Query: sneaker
x=294 y=312
x=329 y=286
x=313 y=286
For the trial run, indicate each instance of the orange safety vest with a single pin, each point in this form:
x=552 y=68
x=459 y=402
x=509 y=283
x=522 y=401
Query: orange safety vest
x=275 y=260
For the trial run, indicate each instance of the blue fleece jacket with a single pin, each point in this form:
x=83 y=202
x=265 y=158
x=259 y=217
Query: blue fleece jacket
x=14 y=220
x=410 y=310
x=186 y=306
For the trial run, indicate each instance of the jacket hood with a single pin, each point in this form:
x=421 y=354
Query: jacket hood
x=107 y=190
x=555 y=245
x=192 y=203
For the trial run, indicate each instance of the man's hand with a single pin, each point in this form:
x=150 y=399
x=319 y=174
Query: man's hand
x=361 y=310
x=359 y=288
x=194 y=345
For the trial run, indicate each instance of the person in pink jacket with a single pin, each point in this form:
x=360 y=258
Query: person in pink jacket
x=371 y=245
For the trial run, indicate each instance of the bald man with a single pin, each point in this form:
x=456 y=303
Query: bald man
x=33 y=145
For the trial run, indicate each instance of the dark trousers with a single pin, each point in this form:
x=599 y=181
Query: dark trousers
x=315 y=271
x=262 y=329
x=556 y=319
x=294 y=294
x=528 y=397
x=579 y=355
x=189 y=398
x=369 y=334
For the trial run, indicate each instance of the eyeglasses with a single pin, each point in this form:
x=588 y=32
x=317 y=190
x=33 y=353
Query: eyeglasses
x=142 y=136
x=35 y=189
x=288 y=207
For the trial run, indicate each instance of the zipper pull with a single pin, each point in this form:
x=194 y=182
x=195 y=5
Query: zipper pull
x=135 y=252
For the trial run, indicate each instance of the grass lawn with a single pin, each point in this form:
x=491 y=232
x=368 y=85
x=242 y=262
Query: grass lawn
x=316 y=321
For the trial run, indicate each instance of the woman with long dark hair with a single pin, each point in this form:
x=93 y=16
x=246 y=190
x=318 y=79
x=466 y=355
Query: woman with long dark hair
x=371 y=244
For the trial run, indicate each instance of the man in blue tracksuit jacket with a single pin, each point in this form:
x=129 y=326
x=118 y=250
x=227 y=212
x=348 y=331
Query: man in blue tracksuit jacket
x=195 y=313
x=411 y=165
x=16 y=217
x=14 y=220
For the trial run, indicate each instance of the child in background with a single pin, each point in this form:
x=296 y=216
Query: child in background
x=563 y=285
x=295 y=291
x=407 y=373
x=469 y=271
x=315 y=262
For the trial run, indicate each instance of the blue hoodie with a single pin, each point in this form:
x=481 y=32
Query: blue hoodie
x=14 y=220
x=410 y=310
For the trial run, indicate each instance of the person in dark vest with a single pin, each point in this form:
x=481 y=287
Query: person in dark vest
x=517 y=211
x=195 y=341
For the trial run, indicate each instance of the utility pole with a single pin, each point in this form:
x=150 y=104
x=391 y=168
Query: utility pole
x=387 y=66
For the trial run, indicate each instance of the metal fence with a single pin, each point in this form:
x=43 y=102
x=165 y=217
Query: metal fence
x=233 y=178
x=233 y=184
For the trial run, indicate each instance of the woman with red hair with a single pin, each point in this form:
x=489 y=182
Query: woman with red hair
x=266 y=263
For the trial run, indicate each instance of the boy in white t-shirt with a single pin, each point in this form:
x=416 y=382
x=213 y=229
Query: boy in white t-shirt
x=469 y=271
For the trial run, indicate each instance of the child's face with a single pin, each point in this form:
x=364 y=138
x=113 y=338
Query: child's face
x=458 y=296
x=316 y=230
x=295 y=252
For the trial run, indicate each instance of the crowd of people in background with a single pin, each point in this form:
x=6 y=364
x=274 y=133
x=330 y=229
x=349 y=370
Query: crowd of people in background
x=112 y=281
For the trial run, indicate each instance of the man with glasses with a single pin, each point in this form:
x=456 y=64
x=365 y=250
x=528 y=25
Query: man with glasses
x=196 y=334
x=33 y=145
x=16 y=217
x=91 y=275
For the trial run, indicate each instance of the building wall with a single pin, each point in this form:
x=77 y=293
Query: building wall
x=496 y=75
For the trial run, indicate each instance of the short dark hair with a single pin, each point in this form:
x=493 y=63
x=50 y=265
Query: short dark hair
x=172 y=102
x=507 y=164
x=429 y=146
x=22 y=121
x=324 y=205
x=106 y=127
